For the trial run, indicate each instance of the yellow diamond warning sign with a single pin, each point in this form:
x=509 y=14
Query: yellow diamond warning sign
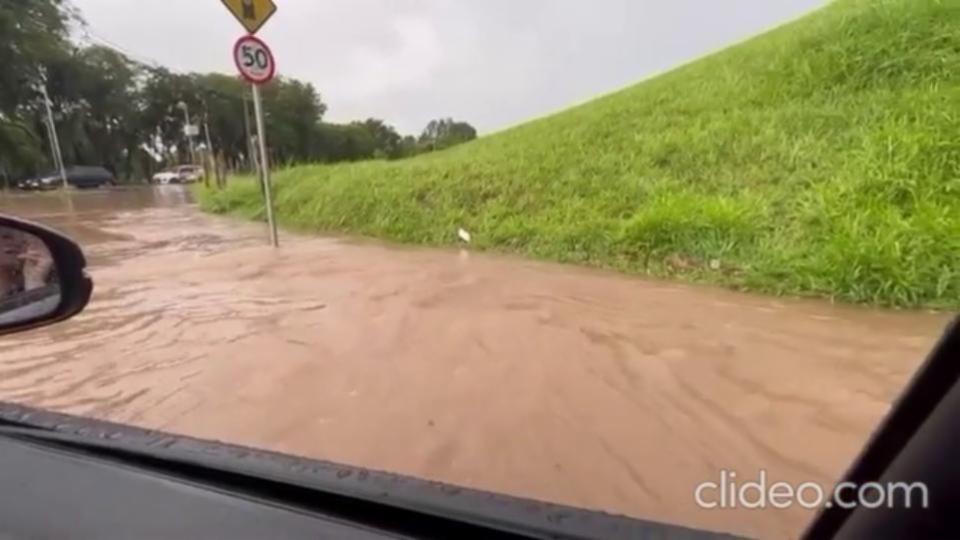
x=252 y=14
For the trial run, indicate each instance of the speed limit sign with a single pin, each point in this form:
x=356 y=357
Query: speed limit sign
x=256 y=64
x=254 y=60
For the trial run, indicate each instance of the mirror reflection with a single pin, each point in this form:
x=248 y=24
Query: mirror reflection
x=29 y=284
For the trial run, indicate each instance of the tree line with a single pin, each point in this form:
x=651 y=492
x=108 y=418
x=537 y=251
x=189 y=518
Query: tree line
x=130 y=117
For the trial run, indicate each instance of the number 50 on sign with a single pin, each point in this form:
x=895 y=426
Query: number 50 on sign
x=254 y=60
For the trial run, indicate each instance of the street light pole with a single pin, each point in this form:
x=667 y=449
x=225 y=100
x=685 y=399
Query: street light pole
x=52 y=135
x=186 y=117
x=251 y=149
x=211 y=161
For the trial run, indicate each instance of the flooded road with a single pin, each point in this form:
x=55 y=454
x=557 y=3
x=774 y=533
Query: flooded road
x=561 y=384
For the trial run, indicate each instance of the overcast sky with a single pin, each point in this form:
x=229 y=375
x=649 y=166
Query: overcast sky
x=494 y=63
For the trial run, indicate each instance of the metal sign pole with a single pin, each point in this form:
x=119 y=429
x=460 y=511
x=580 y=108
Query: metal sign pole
x=256 y=64
x=264 y=164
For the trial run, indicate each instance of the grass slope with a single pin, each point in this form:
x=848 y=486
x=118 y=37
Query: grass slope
x=822 y=158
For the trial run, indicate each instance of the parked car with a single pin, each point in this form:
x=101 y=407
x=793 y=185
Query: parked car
x=80 y=176
x=183 y=174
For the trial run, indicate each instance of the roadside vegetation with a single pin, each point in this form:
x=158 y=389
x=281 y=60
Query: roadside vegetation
x=822 y=158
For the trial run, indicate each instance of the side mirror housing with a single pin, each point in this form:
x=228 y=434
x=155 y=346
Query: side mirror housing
x=43 y=277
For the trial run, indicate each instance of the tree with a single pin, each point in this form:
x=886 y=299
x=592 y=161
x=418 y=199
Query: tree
x=162 y=119
x=345 y=142
x=407 y=147
x=105 y=109
x=292 y=111
x=444 y=133
x=386 y=140
x=19 y=149
x=222 y=108
x=34 y=34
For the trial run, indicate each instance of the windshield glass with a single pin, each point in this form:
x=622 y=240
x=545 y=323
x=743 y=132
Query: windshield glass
x=594 y=253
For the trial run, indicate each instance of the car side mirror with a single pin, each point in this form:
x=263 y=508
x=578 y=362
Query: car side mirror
x=42 y=276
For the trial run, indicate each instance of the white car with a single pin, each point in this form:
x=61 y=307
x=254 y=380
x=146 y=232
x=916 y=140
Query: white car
x=184 y=174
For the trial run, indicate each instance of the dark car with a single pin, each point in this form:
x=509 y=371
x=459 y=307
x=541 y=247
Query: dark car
x=80 y=176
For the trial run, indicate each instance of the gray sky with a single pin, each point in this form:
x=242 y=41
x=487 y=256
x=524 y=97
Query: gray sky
x=494 y=63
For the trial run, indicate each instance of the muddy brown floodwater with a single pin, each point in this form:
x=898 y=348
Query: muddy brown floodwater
x=562 y=384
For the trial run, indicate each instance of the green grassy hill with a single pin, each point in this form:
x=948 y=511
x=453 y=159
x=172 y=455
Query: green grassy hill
x=822 y=158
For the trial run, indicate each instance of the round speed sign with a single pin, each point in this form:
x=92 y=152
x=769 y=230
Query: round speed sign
x=254 y=60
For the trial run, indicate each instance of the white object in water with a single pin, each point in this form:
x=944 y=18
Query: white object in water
x=464 y=235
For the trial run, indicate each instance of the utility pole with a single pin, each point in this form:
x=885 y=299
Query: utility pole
x=255 y=160
x=251 y=151
x=186 y=126
x=252 y=146
x=211 y=160
x=52 y=133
